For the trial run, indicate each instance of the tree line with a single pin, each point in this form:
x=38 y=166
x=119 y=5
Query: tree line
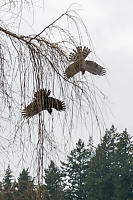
x=89 y=173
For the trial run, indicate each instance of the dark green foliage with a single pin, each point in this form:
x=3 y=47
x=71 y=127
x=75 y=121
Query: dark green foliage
x=99 y=177
x=7 y=181
x=123 y=169
x=7 y=185
x=75 y=171
x=53 y=188
x=110 y=173
x=24 y=187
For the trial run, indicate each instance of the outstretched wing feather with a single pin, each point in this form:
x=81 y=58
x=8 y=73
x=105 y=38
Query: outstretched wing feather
x=32 y=109
x=79 y=54
x=85 y=52
x=72 y=70
x=56 y=104
x=94 y=68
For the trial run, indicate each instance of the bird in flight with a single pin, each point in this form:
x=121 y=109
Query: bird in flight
x=41 y=102
x=78 y=57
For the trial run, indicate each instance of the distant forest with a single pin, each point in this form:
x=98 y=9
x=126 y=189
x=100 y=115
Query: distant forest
x=104 y=172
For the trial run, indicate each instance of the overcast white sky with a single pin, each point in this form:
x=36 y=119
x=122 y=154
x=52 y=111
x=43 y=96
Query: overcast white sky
x=110 y=24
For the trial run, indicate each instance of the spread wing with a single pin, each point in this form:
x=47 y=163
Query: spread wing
x=72 y=70
x=79 y=54
x=32 y=109
x=94 y=68
x=85 y=52
x=56 y=104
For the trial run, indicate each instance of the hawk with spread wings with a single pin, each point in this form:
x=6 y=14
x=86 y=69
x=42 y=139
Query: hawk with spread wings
x=80 y=64
x=41 y=102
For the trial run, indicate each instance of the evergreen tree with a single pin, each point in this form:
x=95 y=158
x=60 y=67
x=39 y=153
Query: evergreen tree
x=100 y=185
x=75 y=171
x=24 y=187
x=123 y=169
x=110 y=172
x=7 y=184
x=53 y=188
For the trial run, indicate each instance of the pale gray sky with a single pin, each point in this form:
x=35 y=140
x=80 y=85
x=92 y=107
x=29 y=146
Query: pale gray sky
x=110 y=24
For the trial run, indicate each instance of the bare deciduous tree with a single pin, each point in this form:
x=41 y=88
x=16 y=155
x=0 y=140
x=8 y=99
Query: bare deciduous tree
x=32 y=62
